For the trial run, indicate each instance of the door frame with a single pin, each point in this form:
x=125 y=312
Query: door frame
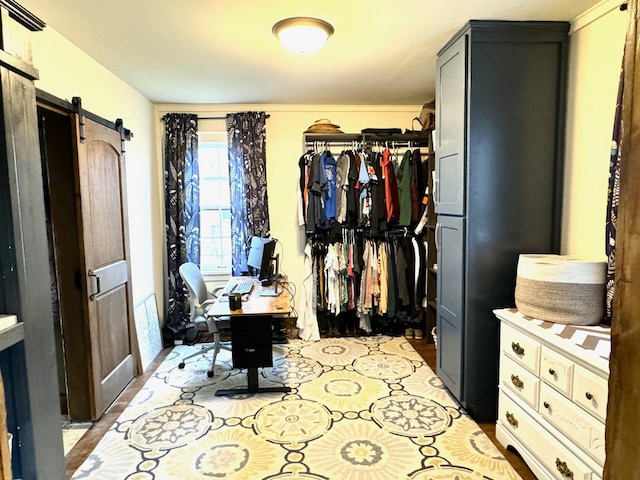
x=83 y=407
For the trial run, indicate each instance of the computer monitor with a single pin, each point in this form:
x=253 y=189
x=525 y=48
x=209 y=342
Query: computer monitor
x=261 y=257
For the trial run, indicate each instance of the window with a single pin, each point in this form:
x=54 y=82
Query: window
x=215 y=214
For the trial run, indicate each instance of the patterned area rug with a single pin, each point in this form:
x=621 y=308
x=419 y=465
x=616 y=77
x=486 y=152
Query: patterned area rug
x=360 y=408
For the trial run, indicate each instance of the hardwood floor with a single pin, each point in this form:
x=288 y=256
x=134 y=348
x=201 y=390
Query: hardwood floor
x=88 y=442
x=428 y=353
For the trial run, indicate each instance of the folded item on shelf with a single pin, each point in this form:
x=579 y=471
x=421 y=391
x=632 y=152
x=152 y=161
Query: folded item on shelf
x=323 y=125
x=382 y=131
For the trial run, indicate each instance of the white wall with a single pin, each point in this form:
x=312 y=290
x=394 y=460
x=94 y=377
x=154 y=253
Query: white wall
x=596 y=47
x=284 y=148
x=66 y=72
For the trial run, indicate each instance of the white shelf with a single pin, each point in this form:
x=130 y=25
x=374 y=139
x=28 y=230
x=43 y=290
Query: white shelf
x=12 y=334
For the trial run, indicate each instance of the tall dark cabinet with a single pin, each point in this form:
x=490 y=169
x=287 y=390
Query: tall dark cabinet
x=27 y=350
x=500 y=106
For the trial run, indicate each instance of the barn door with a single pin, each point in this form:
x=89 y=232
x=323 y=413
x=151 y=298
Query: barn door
x=104 y=241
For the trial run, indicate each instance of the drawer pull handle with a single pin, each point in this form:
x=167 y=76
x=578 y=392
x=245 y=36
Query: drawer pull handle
x=552 y=371
x=516 y=381
x=512 y=419
x=563 y=469
x=588 y=395
x=517 y=349
x=546 y=404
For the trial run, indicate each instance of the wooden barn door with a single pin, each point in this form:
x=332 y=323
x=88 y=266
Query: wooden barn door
x=109 y=325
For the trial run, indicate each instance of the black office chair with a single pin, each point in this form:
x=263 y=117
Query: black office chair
x=200 y=299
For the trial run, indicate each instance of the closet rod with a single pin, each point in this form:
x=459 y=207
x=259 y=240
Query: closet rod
x=221 y=118
x=397 y=143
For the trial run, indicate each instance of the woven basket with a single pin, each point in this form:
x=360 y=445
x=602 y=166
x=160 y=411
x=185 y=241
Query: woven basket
x=561 y=288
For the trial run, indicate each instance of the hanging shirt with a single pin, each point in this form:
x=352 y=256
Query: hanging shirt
x=403 y=176
x=329 y=165
x=378 y=209
x=332 y=271
x=352 y=208
x=365 y=193
x=303 y=165
x=316 y=186
x=342 y=187
x=416 y=192
x=364 y=299
x=307 y=320
x=392 y=202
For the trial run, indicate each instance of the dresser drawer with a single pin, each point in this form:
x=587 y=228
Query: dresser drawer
x=590 y=391
x=521 y=348
x=558 y=460
x=519 y=380
x=570 y=419
x=556 y=370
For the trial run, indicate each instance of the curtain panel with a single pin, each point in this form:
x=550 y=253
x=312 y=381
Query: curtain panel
x=246 y=135
x=182 y=211
x=613 y=198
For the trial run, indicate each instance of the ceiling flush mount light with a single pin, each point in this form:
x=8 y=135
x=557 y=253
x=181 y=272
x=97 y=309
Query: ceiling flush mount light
x=303 y=35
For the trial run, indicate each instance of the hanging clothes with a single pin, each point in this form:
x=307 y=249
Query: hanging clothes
x=363 y=271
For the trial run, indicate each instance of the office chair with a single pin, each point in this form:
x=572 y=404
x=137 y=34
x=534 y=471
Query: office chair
x=200 y=299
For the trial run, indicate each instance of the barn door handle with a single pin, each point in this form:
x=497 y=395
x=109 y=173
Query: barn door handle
x=97 y=277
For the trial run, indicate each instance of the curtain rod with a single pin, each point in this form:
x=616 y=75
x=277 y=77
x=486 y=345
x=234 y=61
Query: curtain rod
x=221 y=118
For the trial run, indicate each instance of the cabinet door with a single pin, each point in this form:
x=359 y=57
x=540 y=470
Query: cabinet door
x=451 y=100
x=450 y=314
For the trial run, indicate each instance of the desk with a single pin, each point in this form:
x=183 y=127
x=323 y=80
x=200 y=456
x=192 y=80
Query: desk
x=251 y=334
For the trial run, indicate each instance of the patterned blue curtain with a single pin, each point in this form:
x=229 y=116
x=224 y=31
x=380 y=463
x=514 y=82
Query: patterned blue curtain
x=182 y=211
x=612 y=203
x=246 y=135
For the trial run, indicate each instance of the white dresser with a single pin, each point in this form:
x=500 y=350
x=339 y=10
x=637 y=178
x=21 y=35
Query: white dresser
x=553 y=395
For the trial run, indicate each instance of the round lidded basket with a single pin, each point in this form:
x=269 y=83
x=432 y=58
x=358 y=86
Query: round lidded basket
x=563 y=289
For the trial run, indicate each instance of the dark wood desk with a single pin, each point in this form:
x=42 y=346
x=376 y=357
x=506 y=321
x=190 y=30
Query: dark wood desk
x=251 y=333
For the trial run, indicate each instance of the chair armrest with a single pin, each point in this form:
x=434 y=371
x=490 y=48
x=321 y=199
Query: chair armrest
x=207 y=302
x=216 y=291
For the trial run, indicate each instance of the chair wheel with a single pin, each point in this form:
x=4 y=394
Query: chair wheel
x=210 y=374
x=181 y=365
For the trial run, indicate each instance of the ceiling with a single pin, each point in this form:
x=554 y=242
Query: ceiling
x=213 y=51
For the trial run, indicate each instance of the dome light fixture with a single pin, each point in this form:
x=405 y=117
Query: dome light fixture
x=302 y=35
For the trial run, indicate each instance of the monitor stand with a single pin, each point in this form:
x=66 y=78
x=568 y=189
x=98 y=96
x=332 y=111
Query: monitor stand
x=272 y=280
x=268 y=291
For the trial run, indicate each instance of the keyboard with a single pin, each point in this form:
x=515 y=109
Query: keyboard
x=242 y=287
